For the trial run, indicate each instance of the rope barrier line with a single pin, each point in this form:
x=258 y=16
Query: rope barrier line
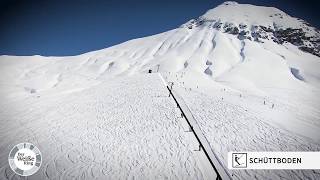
x=222 y=173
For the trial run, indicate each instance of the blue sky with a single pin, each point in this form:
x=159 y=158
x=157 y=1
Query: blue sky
x=60 y=28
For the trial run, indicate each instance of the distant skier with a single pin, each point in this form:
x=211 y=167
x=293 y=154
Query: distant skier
x=171 y=85
x=272 y=106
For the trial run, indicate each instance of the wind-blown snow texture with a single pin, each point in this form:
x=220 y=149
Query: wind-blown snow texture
x=117 y=130
x=249 y=74
x=228 y=124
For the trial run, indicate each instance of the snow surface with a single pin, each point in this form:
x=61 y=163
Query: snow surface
x=120 y=129
x=230 y=124
x=78 y=109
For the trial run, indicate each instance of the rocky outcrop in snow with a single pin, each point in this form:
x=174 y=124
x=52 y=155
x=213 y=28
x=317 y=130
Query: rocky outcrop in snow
x=270 y=24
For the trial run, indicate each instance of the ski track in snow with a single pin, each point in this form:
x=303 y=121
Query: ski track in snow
x=121 y=129
x=230 y=127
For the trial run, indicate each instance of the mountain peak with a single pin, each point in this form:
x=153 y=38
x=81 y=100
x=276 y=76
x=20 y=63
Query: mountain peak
x=260 y=23
x=248 y=14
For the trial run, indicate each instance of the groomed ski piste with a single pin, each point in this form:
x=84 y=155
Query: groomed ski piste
x=120 y=129
x=235 y=121
x=101 y=115
x=128 y=128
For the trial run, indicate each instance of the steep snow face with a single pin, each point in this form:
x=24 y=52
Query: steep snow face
x=216 y=56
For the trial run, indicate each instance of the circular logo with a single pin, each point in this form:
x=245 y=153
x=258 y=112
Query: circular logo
x=25 y=159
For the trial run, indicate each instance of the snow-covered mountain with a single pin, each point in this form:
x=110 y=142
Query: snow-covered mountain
x=248 y=74
x=256 y=23
x=233 y=43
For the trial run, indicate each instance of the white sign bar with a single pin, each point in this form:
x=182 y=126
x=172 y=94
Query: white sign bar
x=274 y=160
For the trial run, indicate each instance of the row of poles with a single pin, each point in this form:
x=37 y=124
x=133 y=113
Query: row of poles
x=169 y=87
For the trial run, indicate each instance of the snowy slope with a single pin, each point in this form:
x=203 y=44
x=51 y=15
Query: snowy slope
x=242 y=124
x=226 y=64
x=206 y=45
x=122 y=129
